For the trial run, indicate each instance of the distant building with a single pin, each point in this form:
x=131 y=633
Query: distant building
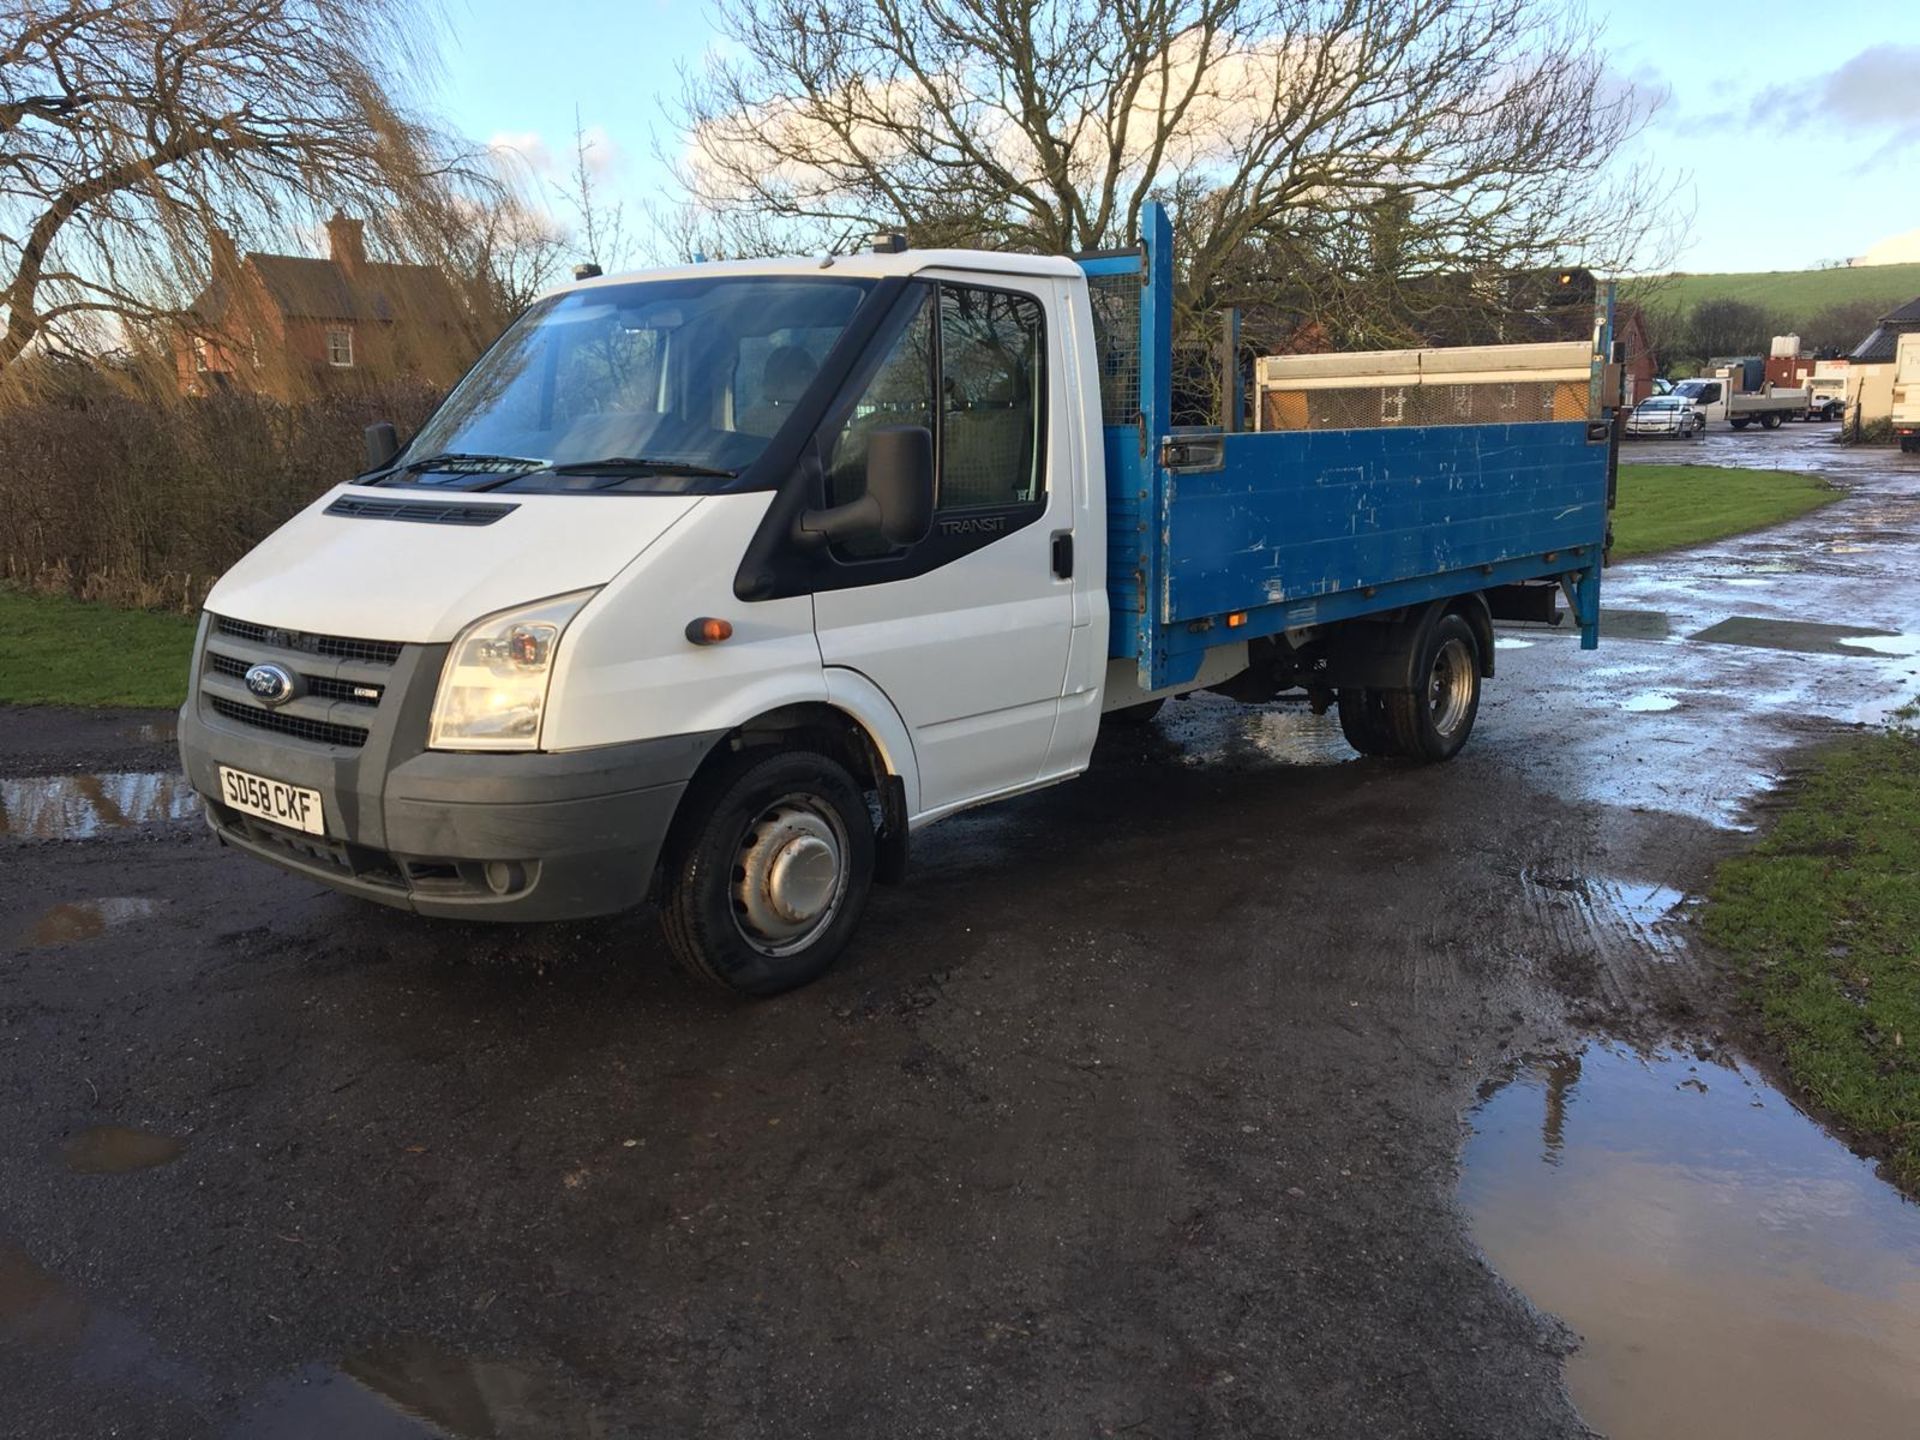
x=1870 y=367
x=1630 y=325
x=288 y=325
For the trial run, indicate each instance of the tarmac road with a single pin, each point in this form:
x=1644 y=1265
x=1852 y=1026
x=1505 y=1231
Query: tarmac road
x=1135 y=1112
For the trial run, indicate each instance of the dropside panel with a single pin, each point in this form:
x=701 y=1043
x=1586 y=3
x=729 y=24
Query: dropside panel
x=1294 y=515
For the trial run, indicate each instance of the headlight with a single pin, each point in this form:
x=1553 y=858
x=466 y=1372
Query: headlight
x=493 y=690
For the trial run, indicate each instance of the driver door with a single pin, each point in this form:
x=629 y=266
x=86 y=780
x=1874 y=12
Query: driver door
x=968 y=631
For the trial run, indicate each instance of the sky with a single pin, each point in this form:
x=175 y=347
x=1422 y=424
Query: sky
x=1794 y=128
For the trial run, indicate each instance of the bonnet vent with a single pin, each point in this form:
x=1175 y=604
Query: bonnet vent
x=420 y=512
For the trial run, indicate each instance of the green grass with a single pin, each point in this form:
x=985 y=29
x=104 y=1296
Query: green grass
x=1662 y=507
x=1823 y=917
x=1796 y=295
x=55 y=651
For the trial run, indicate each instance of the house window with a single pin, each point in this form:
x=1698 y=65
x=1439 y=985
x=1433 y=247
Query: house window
x=340 y=347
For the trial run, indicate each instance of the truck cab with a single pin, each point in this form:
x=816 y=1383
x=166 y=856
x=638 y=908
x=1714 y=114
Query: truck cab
x=713 y=584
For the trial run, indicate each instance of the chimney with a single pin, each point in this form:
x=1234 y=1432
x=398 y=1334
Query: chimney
x=224 y=258
x=346 y=242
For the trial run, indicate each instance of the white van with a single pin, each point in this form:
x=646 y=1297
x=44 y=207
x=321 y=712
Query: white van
x=712 y=584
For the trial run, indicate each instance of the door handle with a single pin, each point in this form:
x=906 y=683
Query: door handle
x=1063 y=554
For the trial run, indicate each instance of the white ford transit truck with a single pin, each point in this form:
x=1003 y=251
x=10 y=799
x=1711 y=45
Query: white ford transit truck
x=712 y=585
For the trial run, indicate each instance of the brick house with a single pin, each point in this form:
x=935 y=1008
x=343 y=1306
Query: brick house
x=287 y=325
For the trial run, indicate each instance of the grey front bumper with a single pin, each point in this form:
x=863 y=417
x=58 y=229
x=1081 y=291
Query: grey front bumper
x=544 y=836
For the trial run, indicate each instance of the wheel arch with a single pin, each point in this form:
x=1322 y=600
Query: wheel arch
x=877 y=760
x=1475 y=610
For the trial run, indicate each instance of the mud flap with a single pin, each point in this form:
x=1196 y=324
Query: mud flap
x=890 y=840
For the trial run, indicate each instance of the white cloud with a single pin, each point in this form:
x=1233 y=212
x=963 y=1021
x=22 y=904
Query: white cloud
x=528 y=147
x=1894 y=250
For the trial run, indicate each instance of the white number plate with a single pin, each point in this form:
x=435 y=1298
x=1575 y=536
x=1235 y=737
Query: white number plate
x=273 y=800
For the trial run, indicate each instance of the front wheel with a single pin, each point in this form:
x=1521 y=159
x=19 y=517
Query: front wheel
x=1432 y=721
x=769 y=882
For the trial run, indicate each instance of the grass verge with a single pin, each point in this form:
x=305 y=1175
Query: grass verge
x=1663 y=507
x=1823 y=917
x=55 y=651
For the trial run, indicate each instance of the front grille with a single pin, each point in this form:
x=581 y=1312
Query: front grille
x=332 y=647
x=323 y=687
x=321 y=732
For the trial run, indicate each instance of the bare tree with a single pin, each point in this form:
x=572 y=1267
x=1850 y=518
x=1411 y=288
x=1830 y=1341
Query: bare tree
x=131 y=131
x=602 y=229
x=1333 y=151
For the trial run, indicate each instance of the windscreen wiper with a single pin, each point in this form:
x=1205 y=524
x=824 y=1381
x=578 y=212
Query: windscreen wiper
x=456 y=462
x=639 y=464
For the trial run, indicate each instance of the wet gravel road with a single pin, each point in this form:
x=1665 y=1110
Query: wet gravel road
x=1136 y=1112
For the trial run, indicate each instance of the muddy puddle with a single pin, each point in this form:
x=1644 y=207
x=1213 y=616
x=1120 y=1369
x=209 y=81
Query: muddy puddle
x=1210 y=731
x=116 y=1149
x=412 y=1388
x=78 y=920
x=78 y=807
x=405 y=1389
x=1731 y=1271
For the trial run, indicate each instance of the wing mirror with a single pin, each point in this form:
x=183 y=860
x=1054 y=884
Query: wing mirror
x=898 y=506
x=383 y=443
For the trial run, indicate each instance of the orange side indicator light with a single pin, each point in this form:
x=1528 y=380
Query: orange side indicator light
x=1236 y=619
x=709 y=630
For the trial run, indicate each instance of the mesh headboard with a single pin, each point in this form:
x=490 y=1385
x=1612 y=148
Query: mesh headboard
x=1116 y=338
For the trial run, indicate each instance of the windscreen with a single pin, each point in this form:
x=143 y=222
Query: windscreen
x=665 y=385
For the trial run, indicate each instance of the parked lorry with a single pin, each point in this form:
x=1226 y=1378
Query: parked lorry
x=1827 y=391
x=1906 y=392
x=1721 y=397
x=714 y=585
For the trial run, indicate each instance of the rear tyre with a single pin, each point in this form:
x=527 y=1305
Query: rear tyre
x=1740 y=424
x=1432 y=721
x=1769 y=422
x=1364 y=721
x=764 y=894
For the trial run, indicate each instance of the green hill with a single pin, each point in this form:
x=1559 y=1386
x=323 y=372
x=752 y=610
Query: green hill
x=1795 y=295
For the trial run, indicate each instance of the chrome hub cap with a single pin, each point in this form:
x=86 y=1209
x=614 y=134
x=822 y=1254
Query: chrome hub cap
x=789 y=875
x=1450 y=686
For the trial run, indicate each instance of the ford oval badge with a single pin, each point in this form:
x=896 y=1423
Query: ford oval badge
x=270 y=684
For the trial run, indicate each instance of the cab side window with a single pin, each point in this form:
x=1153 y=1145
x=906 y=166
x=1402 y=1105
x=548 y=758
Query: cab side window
x=992 y=349
x=983 y=353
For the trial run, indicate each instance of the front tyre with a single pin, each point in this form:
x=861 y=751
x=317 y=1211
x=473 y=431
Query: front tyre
x=1432 y=721
x=765 y=892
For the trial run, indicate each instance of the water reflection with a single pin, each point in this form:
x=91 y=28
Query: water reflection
x=1731 y=1269
x=75 y=807
x=412 y=1388
x=84 y=919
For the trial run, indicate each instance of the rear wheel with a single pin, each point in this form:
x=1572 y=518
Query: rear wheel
x=1739 y=424
x=764 y=894
x=1432 y=721
x=1364 y=721
x=1770 y=421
